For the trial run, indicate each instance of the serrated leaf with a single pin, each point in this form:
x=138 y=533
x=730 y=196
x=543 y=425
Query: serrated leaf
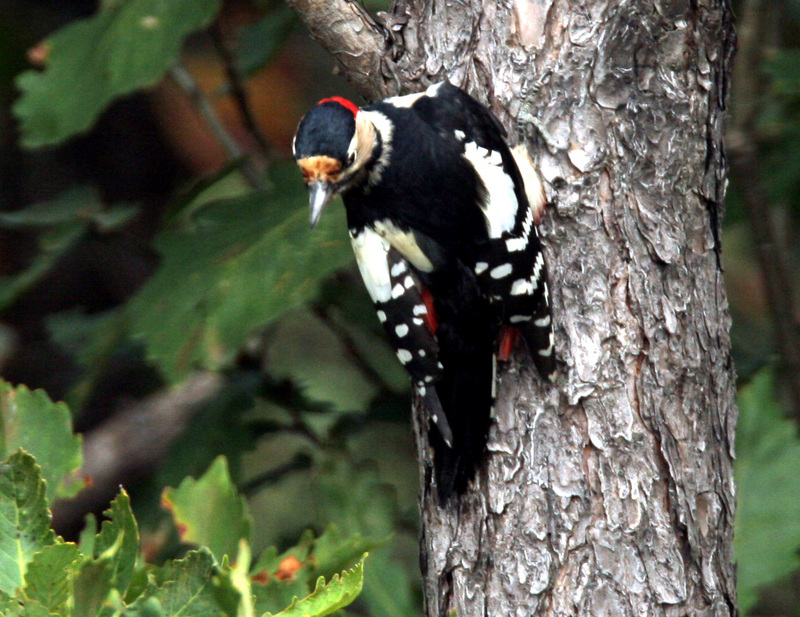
x=30 y=420
x=360 y=502
x=195 y=586
x=234 y=266
x=127 y=45
x=274 y=595
x=94 y=593
x=118 y=541
x=327 y=598
x=767 y=528
x=24 y=518
x=333 y=553
x=48 y=578
x=209 y=511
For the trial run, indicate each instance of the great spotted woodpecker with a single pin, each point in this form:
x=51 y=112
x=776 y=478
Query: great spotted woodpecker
x=443 y=225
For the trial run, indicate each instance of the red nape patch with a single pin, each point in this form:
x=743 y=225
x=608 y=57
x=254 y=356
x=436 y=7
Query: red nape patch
x=509 y=335
x=430 y=316
x=343 y=102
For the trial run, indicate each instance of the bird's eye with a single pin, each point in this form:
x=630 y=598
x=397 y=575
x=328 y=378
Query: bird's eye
x=351 y=158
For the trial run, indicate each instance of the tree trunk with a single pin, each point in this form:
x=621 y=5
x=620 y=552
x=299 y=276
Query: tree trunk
x=610 y=492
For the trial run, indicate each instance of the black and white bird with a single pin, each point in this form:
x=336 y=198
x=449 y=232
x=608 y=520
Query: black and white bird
x=442 y=216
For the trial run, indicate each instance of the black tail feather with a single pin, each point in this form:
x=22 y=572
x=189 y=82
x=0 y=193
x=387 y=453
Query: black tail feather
x=466 y=334
x=466 y=394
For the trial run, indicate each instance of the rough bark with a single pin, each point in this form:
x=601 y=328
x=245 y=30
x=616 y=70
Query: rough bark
x=610 y=493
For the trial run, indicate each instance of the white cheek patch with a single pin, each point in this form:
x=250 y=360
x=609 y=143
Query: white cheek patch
x=500 y=204
x=372 y=257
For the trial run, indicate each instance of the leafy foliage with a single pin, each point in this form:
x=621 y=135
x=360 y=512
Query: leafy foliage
x=31 y=421
x=41 y=574
x=127 y=45
x=209 y=511
x=229 y=267
x=61 y=223
x=767 y=538
x=24 y=520
x=236 y=263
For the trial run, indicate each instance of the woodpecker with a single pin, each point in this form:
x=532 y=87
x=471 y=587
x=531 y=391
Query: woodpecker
x=443 y=217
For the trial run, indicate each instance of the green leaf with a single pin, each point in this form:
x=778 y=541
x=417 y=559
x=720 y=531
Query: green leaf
x=60 y=223
x=330 y=597
x=88 y=535
x=195 y=586
x=260 y=42
x=209 y=511
x=9 y=607
x=333 y=553
x=767 y=529
x=118 y=542
x=274 y=595
x=233 y=266
x=49 y=576
x=24 y=518
x=30 y=420
x=127 y=45
x=94 y=592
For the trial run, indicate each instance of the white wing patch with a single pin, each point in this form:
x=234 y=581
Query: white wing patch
x=534 y=189
x=372 y=257
x=500 y=205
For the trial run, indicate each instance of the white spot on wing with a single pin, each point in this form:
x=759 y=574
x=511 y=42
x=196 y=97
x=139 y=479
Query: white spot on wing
x=519 y=318
x=480 y=267
x=516 y=244
x=542 y=322
x=521 y=287
x=420 y=309
x=404 y=356
x=500 y=271
x=397 y=291
x=459 y=135
x=381 y=316
x=401 y=330
x=398 y=268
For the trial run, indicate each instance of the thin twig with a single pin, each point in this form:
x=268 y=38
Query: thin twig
x=238 y=92
x=188 y=84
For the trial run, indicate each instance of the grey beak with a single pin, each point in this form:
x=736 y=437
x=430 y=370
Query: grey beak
x=319 y=194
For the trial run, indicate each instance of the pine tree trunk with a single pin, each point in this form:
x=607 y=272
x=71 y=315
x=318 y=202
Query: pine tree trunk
x=611 y=492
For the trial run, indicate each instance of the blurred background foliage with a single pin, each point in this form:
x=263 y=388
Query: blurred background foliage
x=151 y=229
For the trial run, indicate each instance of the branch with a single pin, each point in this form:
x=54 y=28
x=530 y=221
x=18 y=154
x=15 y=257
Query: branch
x=133 y=441
x=353 y=37
x=187 y=83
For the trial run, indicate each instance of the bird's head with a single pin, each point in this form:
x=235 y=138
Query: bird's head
x=333 y=144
